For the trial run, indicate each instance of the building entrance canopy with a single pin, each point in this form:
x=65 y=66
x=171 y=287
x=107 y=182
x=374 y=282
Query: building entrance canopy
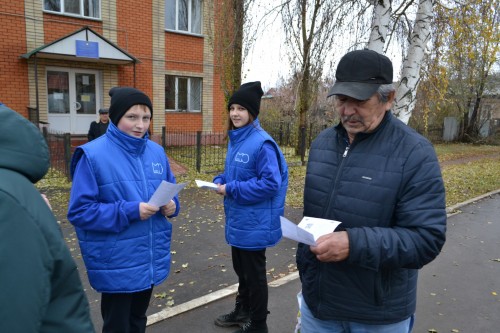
x=83 y=45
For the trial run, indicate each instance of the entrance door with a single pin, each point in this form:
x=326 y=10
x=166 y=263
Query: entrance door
x=73 y=98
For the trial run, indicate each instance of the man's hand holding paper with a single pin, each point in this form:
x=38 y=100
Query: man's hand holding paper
x=332 y=247
x=309 y=230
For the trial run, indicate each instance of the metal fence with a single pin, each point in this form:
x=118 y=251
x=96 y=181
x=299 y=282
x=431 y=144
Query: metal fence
x=60 y=153
x=201 y=151
x=206 y=151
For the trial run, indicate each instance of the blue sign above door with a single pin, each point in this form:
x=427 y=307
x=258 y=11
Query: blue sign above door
x=87 y=49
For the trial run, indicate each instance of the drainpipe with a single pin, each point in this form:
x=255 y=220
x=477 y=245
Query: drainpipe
x=134 y=75
x=36 y=90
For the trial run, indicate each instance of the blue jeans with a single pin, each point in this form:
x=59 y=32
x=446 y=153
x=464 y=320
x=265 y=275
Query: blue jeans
x=310 y=324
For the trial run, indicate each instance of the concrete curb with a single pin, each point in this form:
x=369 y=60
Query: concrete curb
x=233 y=289
x=451 y=210
x=209 y=298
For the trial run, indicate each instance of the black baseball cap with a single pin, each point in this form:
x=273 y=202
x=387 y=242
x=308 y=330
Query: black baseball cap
x=360 y=73
x=103 y=111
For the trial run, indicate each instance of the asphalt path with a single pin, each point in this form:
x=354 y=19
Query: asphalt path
x=201 y=258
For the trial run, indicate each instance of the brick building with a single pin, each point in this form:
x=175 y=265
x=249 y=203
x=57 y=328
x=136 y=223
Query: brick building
x=59 y=58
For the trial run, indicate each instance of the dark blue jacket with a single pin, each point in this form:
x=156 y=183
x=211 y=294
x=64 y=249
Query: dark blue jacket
x=388 y=192
x=112 y=175
x=256 y=178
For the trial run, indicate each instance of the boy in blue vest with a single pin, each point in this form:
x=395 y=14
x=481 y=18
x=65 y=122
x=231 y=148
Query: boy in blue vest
x=124 y=241
x=254 y=185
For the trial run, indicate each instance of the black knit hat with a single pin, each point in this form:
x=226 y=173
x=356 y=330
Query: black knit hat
x=123 y=98
x=248 y=96
x=360 y=73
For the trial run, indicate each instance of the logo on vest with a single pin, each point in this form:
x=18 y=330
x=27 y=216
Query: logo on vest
x=242 y=158
x=157 y=168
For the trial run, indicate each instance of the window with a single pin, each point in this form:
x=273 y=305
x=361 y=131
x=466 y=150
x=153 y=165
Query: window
x=86 y=8
x=182 y=93
x=58 y=91
x=183 y=15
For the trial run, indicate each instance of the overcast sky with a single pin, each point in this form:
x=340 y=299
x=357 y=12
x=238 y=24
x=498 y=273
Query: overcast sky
x=267 y=61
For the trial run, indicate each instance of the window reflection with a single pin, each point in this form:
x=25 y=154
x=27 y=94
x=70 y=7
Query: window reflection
x=183 y=15
x=183 y=93
x=85 y=93
x=58 y=91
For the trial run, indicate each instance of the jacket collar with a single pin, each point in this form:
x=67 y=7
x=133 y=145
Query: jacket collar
x=360 y=136
x=240 y=134
x=128 y=143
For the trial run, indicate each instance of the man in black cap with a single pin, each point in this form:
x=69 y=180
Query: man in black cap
x=98 y=128
x=383 y=182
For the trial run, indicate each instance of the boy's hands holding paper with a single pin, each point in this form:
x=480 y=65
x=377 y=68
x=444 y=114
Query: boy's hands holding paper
x=146 y=210
x=332 y=247
x=168 y=209
x=218 y=188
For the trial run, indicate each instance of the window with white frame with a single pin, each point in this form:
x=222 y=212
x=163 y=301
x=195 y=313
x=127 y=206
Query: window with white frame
x=183 y=15
x=85 y=8
x=183 y=93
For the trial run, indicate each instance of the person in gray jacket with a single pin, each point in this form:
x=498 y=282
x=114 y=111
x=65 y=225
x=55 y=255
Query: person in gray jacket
x=382 y=180
x=40 y=288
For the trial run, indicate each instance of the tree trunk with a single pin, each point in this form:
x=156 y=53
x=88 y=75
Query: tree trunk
x=303 y=107
x=410 y=76
x=237 y=49
x=380 y=25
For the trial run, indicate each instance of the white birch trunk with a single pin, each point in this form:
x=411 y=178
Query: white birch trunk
x=381 y=20
x=410 y=75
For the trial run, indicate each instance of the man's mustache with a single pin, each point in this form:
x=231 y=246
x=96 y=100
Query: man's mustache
x=352 y=118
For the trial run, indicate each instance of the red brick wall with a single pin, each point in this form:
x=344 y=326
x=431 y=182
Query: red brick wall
x=58 y=26
x=13 y=70
x=183 y=121
x=183 y=52
x=135 y=36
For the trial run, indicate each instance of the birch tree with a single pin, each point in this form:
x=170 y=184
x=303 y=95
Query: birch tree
x=384 y=23
x=381 y=21
x=410 y=75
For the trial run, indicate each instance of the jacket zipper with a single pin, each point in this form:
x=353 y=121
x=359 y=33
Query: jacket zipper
x=330 y=199
x=150 y=221
x=339 y=171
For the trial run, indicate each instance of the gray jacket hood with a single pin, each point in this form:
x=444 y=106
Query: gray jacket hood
x=22 y=147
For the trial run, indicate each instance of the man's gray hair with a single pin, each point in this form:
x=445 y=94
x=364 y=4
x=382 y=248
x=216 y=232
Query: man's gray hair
x=384 y=91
